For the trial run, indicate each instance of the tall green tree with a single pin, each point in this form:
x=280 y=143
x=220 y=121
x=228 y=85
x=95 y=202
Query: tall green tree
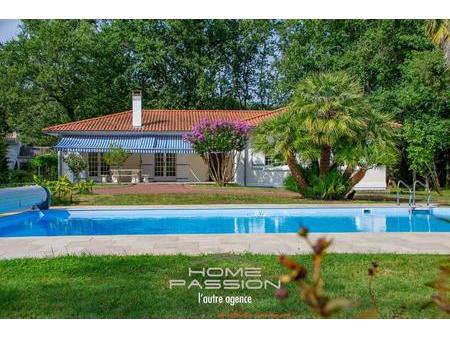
x=370 y=50
x=58 y=71
x=373 y=51
x=199 y=63
x=423 y=96
x=64 y=70
x=312 y=46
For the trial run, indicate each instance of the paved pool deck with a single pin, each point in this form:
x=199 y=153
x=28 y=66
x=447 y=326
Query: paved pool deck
x=402 y=243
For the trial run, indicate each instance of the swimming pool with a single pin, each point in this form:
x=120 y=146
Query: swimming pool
x=71 y=222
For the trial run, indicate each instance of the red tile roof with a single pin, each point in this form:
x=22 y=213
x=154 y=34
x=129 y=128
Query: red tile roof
x=160 y=120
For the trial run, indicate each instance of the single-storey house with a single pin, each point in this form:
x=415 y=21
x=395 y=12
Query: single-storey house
x=158 y=152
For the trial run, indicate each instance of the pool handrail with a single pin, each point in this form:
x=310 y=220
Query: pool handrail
x=400 y=182
x=427 y=188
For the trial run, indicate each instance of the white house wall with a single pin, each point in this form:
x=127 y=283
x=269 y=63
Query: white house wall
x=256 y=174
x=147 y=165
x=192 y=167
x=132 y=162
x=375 y=179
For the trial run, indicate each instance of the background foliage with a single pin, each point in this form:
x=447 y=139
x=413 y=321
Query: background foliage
x=63 y=70
x=46 y=165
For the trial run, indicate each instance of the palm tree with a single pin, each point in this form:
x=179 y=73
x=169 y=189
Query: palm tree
x=277 y=138
x=439 y=31
x=329 y=109
x=328 y=125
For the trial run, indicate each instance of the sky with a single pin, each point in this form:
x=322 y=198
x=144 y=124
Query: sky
x=8 y=29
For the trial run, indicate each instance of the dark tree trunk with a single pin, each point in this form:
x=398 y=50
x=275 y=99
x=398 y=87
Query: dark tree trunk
x=359 y=175
x=325 y=159
x=348 y=172
x=295 y=170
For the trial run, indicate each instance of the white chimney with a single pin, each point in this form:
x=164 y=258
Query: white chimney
x=137 y=108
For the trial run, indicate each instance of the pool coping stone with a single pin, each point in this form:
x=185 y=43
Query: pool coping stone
x=401 y=243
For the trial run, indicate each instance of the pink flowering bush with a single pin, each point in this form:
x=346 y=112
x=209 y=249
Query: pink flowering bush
x=219 y=142
x=218 y=136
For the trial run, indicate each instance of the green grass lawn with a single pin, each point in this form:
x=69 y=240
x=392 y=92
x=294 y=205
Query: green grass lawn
x=238 y=196
x=137 y=286
x=183 y=198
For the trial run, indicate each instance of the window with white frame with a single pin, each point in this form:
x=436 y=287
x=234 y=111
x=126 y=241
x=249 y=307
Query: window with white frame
x=159 y=164
x=97 y=165
x=93 y=164
x=171 y=167
x=165 y=164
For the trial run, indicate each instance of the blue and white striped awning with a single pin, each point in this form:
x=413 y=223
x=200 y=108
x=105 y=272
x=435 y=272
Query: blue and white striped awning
x=129 y=143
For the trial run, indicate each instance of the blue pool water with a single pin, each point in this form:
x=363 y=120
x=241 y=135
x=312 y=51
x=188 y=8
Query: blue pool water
x=69 y=222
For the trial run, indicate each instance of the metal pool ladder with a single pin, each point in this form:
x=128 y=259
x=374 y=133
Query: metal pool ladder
x=410 y=198
x=427 y=189
x=412 y=195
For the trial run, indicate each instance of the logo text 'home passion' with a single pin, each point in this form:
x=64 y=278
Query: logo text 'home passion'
x=217 y=278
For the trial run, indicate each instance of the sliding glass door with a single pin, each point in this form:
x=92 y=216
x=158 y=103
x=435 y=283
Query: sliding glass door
x=97 y=166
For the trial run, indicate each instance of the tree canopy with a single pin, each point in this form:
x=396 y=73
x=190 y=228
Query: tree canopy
x=64 y=70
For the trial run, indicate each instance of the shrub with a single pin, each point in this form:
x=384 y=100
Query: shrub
x=291 y=184
x=85 y=187
x=20 y=176
x=39 y=180
x=46 y=165
x=76 y=163
x=61 y=190
x=332 y=187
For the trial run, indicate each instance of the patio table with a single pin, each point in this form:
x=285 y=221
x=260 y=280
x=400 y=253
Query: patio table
x=133 y=174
